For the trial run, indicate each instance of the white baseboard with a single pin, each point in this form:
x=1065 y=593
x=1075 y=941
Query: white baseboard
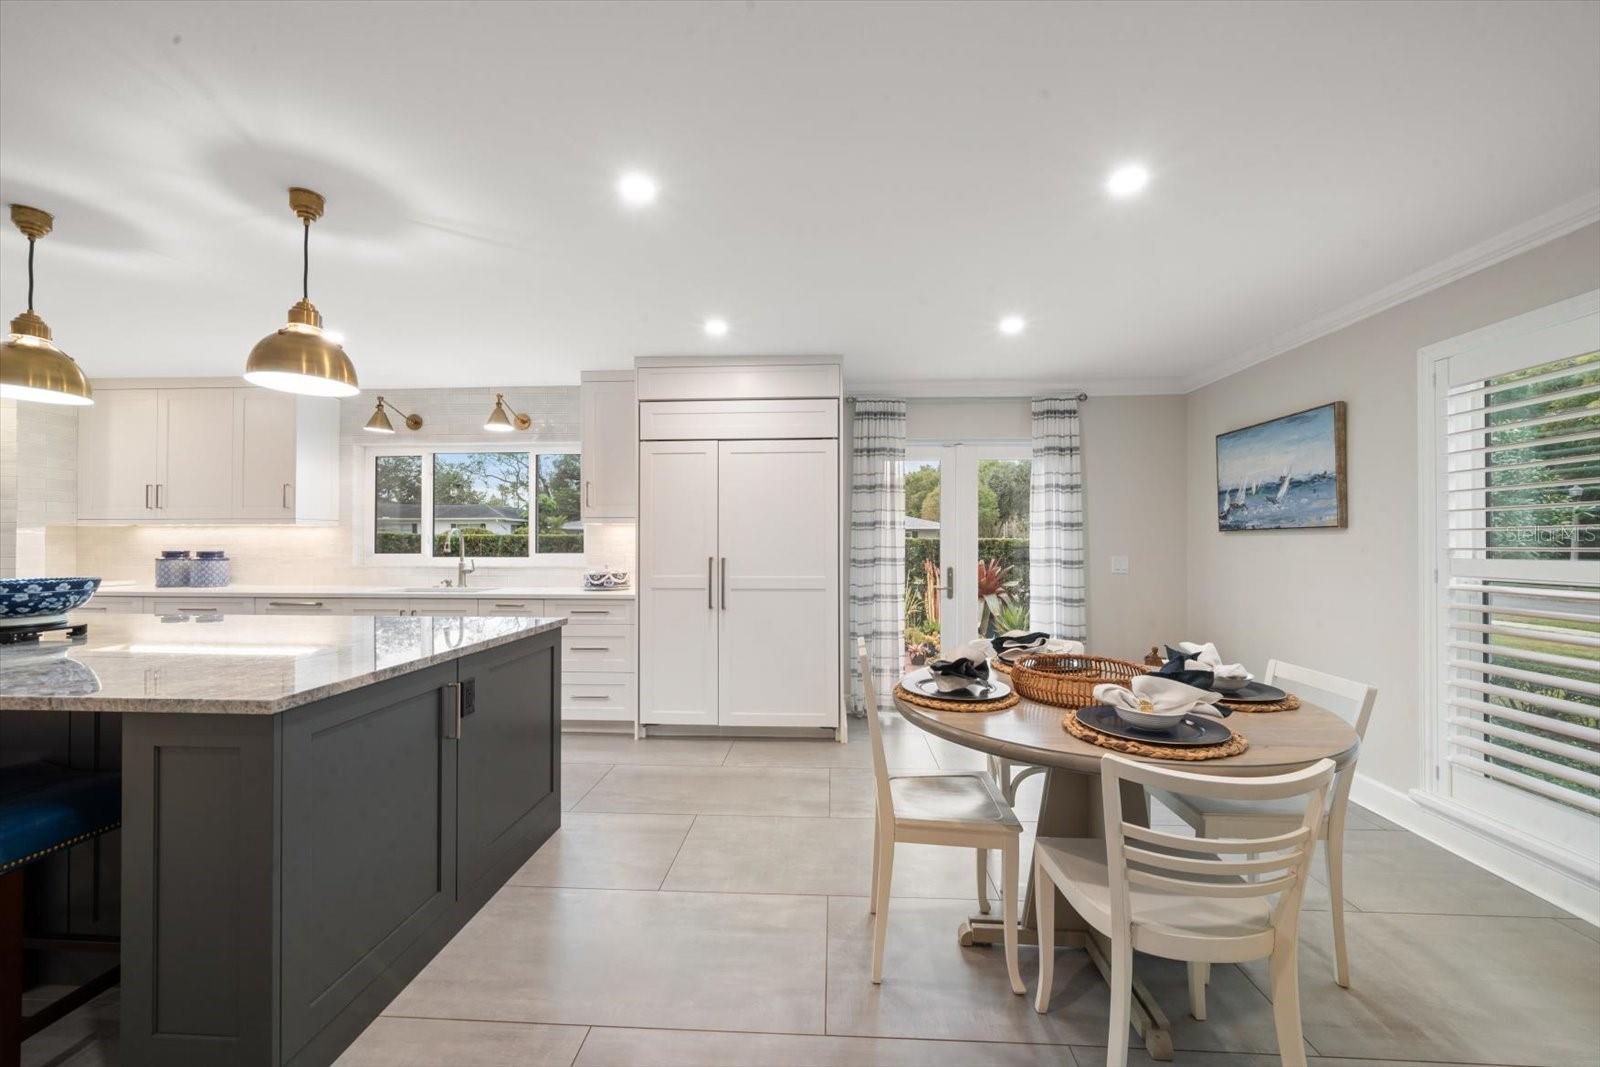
x=1560 y=885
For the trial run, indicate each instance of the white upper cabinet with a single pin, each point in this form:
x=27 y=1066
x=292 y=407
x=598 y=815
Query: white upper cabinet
x=208 y=454
x=119 y=455
x=196 y=444
x=610 y=431
x=674 y=378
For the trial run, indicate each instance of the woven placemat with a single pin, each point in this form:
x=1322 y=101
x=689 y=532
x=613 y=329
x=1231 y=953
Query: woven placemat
x=1232 y=747
x=1010 y=700
x=1288 y=703
x=1002 y=666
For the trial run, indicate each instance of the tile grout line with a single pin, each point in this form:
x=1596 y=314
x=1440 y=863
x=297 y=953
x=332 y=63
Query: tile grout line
x=585 y=1040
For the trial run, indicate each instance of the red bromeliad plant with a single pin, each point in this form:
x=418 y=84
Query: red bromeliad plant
x=995 y=591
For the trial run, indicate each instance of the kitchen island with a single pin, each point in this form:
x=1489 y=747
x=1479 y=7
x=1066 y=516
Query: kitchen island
x=311 y=807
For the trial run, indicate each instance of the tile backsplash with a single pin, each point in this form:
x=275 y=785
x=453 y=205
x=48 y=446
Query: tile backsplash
x=38 y=504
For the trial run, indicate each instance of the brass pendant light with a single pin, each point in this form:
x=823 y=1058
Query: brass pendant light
x=379 y=423
x=299 y=357
x=31 y=366
x=505 y=418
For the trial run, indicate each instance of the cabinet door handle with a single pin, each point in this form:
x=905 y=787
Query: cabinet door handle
x=588 y=494
x=724 y=575
x=283 y=497
x=158 y=495
x=147 y=495
x=711 y=583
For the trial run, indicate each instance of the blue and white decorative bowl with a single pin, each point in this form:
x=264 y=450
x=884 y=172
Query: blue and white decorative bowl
x=34 y=601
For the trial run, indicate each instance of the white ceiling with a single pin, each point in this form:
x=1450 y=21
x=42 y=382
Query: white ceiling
x=879 y=181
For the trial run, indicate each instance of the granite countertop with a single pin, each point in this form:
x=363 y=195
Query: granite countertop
x=237 y=664
x=312 y=592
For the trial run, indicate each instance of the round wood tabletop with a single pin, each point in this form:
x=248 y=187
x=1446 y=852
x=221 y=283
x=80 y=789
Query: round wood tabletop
x=1032 y=733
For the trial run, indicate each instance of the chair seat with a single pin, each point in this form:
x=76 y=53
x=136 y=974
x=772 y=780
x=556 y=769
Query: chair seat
x=44 y=807
x=1219 y=817
x=1078 y=867
x=951 y=801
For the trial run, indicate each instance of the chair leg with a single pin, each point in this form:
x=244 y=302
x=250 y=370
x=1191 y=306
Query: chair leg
x=11 y=968
x=1285 y=972
x=1341 y=958
x=1044 y=915
x=872 y=893
x=983 y=881
x=1121 y=998
x=1008 y=908
x=880 y=923
x=1198 y=976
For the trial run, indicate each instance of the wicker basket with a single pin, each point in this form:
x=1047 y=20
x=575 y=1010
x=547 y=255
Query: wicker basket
x=1068 y=681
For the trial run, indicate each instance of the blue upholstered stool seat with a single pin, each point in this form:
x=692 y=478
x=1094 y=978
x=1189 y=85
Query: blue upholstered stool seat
x=45 y=807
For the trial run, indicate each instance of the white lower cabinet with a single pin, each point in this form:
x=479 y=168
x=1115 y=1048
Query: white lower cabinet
x=113 y=605
x=739 y=583
x=202 y=605
x=598 y=696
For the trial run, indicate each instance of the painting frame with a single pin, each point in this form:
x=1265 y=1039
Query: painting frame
x=1338 y=499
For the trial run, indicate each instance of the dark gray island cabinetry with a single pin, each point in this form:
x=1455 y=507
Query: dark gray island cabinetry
x=312 y=807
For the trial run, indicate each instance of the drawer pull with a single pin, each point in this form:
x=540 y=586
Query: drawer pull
x=588 y=696
x=295 y=604
x=590 y=611
x=512 y=606
x=590 y=648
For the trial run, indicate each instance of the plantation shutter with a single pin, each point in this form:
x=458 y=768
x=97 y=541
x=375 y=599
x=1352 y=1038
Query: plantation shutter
x=1517 y=431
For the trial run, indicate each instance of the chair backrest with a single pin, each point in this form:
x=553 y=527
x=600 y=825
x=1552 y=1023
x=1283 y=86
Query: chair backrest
x=1206 y=866
x=880 y=763
x=1352 y=701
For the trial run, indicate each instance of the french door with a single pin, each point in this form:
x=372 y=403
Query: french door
x=966 y=544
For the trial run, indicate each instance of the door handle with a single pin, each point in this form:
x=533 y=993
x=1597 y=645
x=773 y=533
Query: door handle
x=147 y=495
x=949 y=583
x=711 y=583
x=724 y=575
x=452 y=711
x=283 y=497
x=158 y=495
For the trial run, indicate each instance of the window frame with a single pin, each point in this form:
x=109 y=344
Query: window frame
x=1545 y=830
x=365 y=510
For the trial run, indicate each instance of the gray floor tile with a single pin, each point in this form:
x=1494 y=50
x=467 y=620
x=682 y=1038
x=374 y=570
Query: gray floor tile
x=903 y=752
x=1476 y=989
x=602 y=851
x=577 y=779
x=1096 y=1057
x=828 y=857
x=850 y=794
x=651 y=751
x=396 y=1042
x=607 y=1047
x=1359 y=818
x=85 y=1038
x=611 y=958
x=711 y=791
x=1397 y=871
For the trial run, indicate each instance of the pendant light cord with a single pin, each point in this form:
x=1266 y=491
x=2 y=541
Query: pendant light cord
x=305 y=263
x=30 y=274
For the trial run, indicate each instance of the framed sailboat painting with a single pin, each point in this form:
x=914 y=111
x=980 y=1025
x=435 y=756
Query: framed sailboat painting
x=1284 y=474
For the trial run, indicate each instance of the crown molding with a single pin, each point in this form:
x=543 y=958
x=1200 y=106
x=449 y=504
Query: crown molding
x=1008 y=388
x=1537 y=231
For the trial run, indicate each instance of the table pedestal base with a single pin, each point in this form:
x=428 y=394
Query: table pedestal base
x=1148 y=1018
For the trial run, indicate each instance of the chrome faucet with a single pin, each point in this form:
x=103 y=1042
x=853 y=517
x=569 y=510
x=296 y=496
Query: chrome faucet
x=463 y=567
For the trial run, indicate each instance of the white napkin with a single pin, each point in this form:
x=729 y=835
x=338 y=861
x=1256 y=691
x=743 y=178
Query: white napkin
x=1151 y=692
x=1207 y=658
x=1053 y=645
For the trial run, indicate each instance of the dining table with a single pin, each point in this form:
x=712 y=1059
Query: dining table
x=1031 y=734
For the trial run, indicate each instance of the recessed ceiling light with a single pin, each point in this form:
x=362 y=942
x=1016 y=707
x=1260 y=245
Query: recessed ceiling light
x=715 y=327
x=637 y=189
x=1128 y=180
x=1012 y=325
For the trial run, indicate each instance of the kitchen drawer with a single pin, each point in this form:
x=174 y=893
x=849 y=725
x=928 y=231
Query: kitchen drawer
x=357 y=605
x=112 y=605
x=583 y=611
x=441 y=607
x=297 y=606
x=596 y=648
x=598 y=696
x=200 y=605
x=511 y=606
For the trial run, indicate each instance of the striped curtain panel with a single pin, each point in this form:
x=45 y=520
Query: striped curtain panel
x=1056 y=575
x=877 y=544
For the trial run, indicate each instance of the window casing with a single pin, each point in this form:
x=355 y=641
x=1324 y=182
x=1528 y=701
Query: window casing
x=1511 y=499
x=515 y=505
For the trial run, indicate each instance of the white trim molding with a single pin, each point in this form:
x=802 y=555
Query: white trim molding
x=1537 y=231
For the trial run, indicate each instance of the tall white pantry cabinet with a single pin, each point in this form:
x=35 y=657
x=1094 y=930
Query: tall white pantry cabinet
x=739 y=544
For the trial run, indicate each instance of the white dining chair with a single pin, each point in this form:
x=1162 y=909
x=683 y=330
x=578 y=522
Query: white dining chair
x=1213 y=817
x=1183 y=898
x=964 y=809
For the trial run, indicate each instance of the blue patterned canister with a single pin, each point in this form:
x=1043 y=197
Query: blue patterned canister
x=172 y=571
x=212 y=569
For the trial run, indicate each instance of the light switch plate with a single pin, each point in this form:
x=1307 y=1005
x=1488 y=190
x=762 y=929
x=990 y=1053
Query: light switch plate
x=1119 y=564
